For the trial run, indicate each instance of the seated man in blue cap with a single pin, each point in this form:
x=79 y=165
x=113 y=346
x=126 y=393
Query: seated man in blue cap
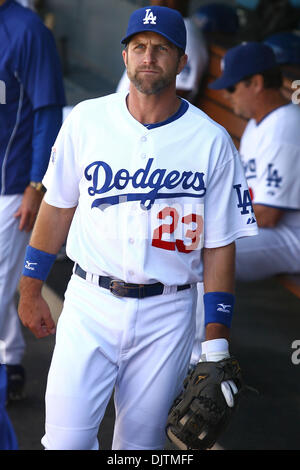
x=270 y=151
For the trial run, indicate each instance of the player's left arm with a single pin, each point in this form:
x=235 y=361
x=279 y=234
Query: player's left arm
x=219 y=273
x=267 y=216
x=219 y=281
x=200 y=414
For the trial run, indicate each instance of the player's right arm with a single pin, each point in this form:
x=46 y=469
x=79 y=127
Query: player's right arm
x=49 y=233
x=266 y=216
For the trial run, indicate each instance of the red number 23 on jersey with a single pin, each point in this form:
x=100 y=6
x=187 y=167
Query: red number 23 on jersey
x=193 y=235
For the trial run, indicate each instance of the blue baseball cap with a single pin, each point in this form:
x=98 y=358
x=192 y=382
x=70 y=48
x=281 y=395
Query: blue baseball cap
x=286 y=47
x=161 y=20
x=217 y=17
x=243 y=61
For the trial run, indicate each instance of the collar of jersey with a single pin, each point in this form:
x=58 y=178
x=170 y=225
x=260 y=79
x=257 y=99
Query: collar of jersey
x=182 y=109
x=273 y=110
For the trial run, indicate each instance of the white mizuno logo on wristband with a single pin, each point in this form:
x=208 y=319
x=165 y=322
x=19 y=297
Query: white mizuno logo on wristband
x=29 y=265
x=223 y=308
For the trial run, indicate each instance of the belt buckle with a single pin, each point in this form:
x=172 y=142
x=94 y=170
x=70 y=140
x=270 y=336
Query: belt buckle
x=117 y=288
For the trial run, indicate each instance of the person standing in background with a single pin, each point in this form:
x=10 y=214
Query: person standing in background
x=31 y=101
x=270 y=151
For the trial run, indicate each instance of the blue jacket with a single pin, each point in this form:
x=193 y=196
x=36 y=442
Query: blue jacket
x=30 y=82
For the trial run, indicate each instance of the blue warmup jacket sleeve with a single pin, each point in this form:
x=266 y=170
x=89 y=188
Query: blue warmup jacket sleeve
x=47 y=122
x=31 y=79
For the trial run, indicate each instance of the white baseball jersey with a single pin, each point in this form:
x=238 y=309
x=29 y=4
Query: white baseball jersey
x=148 y=198
x=271 y=156
x=189 y=78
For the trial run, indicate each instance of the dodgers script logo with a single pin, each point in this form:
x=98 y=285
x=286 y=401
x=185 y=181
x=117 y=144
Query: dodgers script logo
x=149 y=17
x=153 y=182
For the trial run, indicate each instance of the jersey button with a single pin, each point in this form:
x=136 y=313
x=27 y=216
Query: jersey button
x=144 y=155
x=131 y=240
x=144 y=138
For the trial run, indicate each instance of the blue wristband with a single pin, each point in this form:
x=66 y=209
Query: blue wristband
x=37 y=263
x=218 y=307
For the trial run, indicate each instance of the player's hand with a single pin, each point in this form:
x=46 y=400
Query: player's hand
x=34 y=311
x=29 y=208
x=216 y=350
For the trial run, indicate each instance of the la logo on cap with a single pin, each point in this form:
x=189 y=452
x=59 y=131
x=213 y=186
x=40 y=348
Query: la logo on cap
x=149 y=17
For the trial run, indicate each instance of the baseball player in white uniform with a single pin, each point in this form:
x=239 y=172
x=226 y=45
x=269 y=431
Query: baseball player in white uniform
x=143 y=184
x=189 y=79
x=270 y=151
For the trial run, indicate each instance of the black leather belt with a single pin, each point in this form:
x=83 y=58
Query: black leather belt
x=124 y=289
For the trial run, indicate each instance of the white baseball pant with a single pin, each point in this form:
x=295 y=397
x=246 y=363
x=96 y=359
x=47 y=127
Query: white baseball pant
x=273 y=251
x=139 y=349
x=13 y=243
